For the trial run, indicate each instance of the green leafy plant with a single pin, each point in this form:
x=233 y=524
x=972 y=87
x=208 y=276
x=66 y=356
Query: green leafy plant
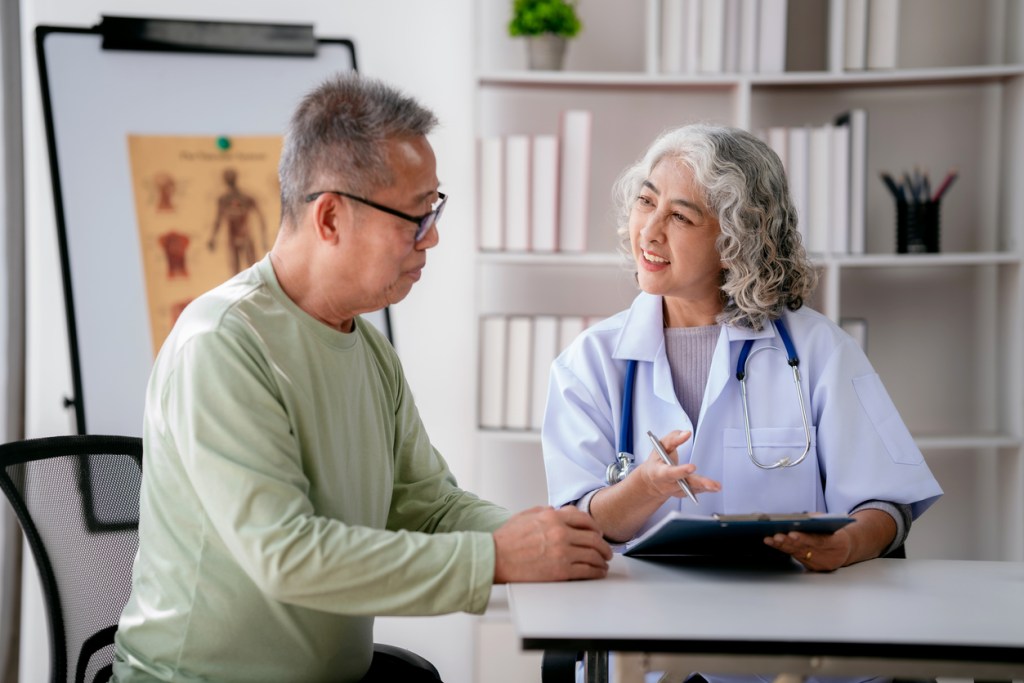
x=534 y=17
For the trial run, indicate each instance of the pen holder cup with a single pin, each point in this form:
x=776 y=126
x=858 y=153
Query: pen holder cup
x=917 y=227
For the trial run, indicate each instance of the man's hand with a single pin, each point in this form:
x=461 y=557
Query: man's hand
x=545 y=544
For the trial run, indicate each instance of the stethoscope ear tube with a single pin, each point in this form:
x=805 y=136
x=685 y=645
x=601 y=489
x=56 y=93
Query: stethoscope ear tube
x=741 y=375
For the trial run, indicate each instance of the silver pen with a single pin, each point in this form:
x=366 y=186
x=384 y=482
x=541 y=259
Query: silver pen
x=668 y=461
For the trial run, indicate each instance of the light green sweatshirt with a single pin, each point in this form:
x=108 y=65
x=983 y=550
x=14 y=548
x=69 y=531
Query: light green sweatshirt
x=290 y=492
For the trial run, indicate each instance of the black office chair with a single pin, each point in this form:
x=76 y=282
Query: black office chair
x=559 y=666
x=77 y=499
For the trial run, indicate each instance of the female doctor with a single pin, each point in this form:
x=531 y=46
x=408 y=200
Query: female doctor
x=708 y=222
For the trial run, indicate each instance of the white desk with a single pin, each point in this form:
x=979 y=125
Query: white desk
x=906 y=618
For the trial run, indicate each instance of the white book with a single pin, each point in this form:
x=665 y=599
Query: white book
x=519 y=372
x=750 y=16
x=777 y=138
x=652 y=37
x=883 y=33
x=857 y=120
x=771 y=43
x=855 y=42
x=731 y=57
x=493 y=352
x=545 y=349
x=574 y=180
x=797 y=160
x=839 y=238
x=491 y=221
x=544 y=194
x=517 y=193
x=673 y=18
x=569 y=327
x=819 y=189
x=858 y=329
x=712 y=36
x=692 y=37
x=836 y=34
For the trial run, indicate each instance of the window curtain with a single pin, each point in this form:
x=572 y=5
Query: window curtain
x=12 y=320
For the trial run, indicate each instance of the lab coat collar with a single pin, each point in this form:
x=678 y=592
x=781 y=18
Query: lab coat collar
x=722 y=362
x=641 y=336
x=745 y=333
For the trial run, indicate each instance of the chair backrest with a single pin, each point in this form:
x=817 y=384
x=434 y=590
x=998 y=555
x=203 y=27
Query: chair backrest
x=77 y=498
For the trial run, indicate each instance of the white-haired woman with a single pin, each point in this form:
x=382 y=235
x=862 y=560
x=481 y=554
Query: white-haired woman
x=708 y=223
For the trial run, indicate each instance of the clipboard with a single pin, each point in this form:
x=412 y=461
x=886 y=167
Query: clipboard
x=679 y=535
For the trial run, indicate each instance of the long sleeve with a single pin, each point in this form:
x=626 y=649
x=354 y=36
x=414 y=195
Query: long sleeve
x=253 y=480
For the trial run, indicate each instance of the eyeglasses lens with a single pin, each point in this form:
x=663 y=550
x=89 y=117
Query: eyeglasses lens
x=430 y=219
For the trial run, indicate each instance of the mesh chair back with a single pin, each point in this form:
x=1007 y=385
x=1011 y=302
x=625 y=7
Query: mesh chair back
x=77 y=498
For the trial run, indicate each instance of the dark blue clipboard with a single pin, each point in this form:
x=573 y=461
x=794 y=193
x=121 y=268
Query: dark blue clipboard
x=679 y=535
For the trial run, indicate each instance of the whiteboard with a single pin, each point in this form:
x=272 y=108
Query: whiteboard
x=93 y=97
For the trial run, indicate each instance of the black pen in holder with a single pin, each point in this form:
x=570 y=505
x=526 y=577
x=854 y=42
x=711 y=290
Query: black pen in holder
x=917 y=227
x=917 y=211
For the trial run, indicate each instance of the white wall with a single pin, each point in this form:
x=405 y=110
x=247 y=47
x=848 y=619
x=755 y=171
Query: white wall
x=426 y=49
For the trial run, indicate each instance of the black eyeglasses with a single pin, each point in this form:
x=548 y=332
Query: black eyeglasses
x=424 y=222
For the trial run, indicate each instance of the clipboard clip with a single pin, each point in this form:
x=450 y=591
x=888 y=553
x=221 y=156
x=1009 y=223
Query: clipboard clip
x=763 y=517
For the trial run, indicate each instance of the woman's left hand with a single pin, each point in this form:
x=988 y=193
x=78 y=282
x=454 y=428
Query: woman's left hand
x=871 y=532
x=817 y=552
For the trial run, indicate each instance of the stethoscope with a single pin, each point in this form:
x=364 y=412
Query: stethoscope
x=624 y=461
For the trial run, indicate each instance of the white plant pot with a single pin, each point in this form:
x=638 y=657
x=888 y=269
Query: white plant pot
x=546 y=51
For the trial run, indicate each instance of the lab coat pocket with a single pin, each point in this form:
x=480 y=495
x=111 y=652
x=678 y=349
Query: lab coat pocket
x=886 y=419
x=749 y=488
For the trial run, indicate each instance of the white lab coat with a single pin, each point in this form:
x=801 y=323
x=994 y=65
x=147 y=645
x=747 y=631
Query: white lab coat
x=860 y=448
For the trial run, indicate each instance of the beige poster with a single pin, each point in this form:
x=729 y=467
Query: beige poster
x=207 y=208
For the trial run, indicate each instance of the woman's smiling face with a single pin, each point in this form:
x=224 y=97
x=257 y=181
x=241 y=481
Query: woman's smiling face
x=672 y=235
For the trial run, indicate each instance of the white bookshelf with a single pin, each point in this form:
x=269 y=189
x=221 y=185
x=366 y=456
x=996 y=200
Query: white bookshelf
x=995 y=72
x=944 y=330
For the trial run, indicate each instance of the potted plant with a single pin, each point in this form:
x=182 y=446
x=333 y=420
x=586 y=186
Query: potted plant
x=547 y=25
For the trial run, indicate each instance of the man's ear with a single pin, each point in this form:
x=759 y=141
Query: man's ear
x=330 y=213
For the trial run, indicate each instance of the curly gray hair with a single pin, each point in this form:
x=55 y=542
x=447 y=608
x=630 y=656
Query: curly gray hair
x=336 y=135
x=744 y=185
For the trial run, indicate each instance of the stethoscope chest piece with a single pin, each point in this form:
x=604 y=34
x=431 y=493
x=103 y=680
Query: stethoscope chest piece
x=620 y=468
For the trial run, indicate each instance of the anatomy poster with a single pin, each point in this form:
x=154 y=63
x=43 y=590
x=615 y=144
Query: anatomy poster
x=207 y=208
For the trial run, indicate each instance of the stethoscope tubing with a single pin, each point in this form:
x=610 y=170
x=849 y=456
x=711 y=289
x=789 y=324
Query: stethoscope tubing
x=741 y=374
x=626 y=434
x=624 y=460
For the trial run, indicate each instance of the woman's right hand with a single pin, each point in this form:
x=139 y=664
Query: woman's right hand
x=622 y=510
x=661 y=479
